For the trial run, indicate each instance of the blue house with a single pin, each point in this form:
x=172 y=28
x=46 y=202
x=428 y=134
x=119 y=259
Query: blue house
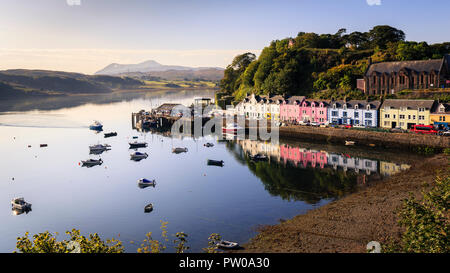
x=354 y=112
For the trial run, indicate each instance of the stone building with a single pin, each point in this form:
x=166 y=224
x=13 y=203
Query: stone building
x=392 y=77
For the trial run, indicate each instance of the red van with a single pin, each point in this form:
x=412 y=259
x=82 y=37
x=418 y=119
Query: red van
x=424 y=129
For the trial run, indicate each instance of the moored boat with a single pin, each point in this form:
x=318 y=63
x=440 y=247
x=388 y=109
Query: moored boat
x=208 y=145
x=349 y=143
x=20 y=204
x=211 y=162
x=92 y=162
x=137 y=156
x=99 y=148
x=96 y=126
x=227 y=245
x=148 y=208
x=135 y=145
x=112 y=134
x=233 y=129
x=179 y=150
x=143 y=182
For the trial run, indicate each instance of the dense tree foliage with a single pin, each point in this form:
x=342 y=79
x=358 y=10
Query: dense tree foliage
x=311 y=62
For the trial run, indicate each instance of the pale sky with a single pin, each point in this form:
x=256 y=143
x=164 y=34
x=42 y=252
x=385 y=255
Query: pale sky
x=51 y=34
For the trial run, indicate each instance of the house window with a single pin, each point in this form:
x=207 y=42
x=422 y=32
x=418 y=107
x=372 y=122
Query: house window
x=334 y=113
x=387 y=116
x=344 y=114
x=421 y=109
x=402 y=124
x=387 y=123
x=414 y=117
x=356 y=115
x=409 y=116
x=356 y=107
x=368 y=115
x=421 y=117
x=402 y=116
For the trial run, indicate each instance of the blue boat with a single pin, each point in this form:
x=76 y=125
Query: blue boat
x=96 y=126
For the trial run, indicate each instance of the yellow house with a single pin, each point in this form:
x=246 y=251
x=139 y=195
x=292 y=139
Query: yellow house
x=405 y=113
x=440 y=115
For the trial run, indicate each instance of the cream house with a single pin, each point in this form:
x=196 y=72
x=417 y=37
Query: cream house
x=405 y=113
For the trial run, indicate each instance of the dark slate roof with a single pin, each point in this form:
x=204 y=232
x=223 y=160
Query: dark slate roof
x=317 y=102
x=436 y=107
x=293 y=99
x=410 y=104
x=417 y=66
x=362 y=104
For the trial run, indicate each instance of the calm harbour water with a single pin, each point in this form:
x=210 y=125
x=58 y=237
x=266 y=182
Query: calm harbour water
x=193 y=197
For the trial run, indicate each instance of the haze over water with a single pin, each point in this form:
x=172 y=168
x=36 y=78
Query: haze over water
x=193 y=197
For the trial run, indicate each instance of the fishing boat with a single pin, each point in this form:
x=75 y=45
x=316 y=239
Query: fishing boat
x=20 y=204
x=96 y=126
x=211 y=162
x=143 y=182
x=227 y=245
x=208 y=145
x=43 y=145
x=179 y=150
x=148 y=208
x=92 y=162
x=112 y=134
x=135 y=145
x=99 y=148
x=233 y=129
x=258 y=157
x=349 y=143
x=137 y=156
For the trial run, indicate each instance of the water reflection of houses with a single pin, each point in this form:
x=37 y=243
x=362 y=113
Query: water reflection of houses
x=314 y=158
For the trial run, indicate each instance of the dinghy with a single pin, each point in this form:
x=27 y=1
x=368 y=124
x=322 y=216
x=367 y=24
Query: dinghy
x=20 y=204
x=208 y=145
x=112 y=134
x=137 y=156
x=99 y=148
x=148 y=208
x=349 y=143
x=211 y=162
x=227 y=245
x=135 y=145
x=143 y=182
x=179 y=150
x=92 y=162
x=96 y=126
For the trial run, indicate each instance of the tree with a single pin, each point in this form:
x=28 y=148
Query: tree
x=381 y=35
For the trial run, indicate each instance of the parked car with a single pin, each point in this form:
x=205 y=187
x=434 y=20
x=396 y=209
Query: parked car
x=315 y=124
x=348 y=126
x=359 y=126
x=444 y=133
x=397 y=130
x=424 y=129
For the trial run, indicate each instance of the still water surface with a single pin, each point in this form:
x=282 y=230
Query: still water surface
x=193 y=197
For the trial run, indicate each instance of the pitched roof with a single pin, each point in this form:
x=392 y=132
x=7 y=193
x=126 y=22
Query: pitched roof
x=418 y=66
x=362 y=104
x=436 y=107
x=294 y=99
x=412 y=104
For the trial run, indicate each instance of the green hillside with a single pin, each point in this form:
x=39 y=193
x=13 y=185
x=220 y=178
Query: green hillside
x=311 y=63
x=19 y=83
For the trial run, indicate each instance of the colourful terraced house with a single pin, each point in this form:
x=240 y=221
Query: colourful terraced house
x=440 y=115
x=314 y=111
x=354 y=112
x=405 y=113
x=290 y=109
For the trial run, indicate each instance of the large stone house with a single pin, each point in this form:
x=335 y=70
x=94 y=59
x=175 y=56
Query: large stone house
x=392 y=77
x=405 y=113
x=354 y=112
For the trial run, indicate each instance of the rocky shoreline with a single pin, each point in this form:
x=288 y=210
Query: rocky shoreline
x=349 y=224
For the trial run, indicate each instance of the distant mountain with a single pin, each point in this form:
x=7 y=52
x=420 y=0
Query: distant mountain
x=21 y=82
x=153 y=68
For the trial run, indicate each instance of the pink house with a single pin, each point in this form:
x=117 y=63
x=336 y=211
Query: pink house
x=305 y=157
x=314 y=111
x=290 y=109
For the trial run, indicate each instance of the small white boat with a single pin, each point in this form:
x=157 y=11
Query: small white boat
x=179 y=150
x=138 y=156
x=208 y=145
x=97 y=126
x=227 y=245
x=148 y=208
x=20 y=204
x=349 y=143
x=143 y=182
x=233 y=129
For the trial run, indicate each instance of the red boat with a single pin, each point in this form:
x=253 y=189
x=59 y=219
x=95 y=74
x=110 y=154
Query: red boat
x=233 y=129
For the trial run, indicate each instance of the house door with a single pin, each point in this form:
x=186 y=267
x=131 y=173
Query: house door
x=394 y=124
